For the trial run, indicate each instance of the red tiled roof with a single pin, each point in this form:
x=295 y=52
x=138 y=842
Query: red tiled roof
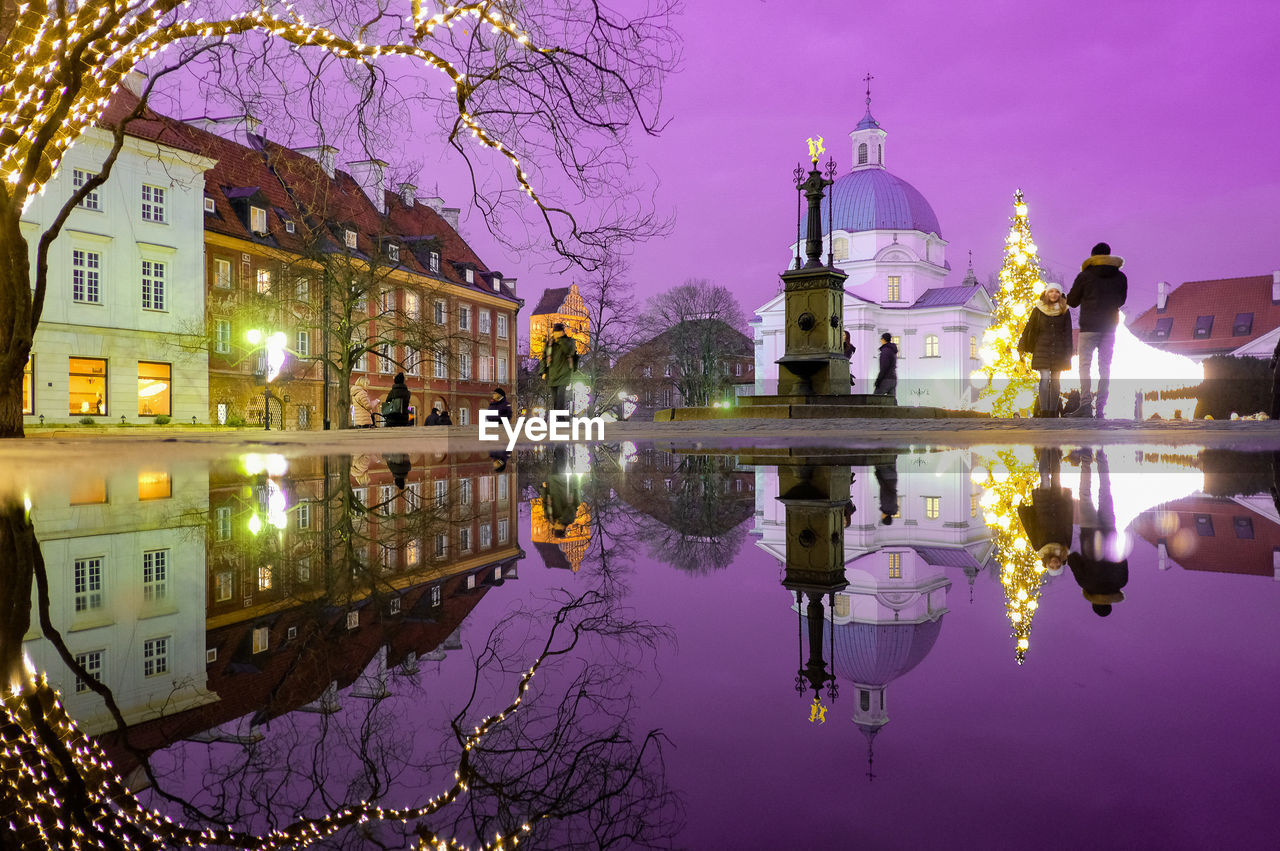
x=1223 y=552
x=1222 y=299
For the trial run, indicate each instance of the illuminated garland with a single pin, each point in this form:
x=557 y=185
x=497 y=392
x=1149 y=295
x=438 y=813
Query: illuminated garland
x=1021 y=571
x=62 y=70
x=42 y=751
x=1009 y=380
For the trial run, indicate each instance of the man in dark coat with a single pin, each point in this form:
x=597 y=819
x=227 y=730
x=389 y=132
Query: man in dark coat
x=433 y=418
x=397 y=404
x=887 y=378
x=1099 y=567
x=498 y=402
x=559 y=360
x=1099 y=291
x=887 y=480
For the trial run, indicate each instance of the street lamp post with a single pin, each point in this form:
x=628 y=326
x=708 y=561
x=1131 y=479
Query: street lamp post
x=273 y=361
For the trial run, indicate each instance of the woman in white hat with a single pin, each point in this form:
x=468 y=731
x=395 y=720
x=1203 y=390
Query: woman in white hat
x=1047 y=338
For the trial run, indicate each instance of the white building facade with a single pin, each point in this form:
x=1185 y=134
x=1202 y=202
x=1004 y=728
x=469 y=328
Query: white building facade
x=121 y=333
x=887 y=239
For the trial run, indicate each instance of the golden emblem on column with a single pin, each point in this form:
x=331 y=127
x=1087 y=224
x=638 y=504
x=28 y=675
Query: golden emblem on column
x=815 y=149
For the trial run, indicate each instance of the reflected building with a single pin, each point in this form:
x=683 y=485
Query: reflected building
x=1215 y=534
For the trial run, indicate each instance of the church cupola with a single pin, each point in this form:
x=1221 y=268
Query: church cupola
x=868 y=138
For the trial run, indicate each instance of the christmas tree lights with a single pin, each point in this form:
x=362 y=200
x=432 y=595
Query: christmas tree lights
x=1009 y=380
x=1021 y=571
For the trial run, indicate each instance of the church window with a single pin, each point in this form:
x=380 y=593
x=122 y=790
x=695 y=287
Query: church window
x=1163 y=328
x=973 y=348
x=862 y=154
x=895 y=565
x=864 y=700
x=1204 y=327
x=895 y=288
x=1243 y=326
x=840 y=248
x=931 y=346
x=932 y=507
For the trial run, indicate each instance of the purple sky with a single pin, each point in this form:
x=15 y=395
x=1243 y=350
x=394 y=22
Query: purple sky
x=1154 y=129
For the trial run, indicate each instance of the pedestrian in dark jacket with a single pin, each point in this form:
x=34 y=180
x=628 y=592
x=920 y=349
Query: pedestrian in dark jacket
x=559 y=360
x=849 y=349
x=498 y=402
x=1099 y=291
x=1275 y=383
x=433 y=418
x=887 y=481
x=1048 y=518
x=1047 y=338
x=887 y=378
x=396 y=407
x=445 y=419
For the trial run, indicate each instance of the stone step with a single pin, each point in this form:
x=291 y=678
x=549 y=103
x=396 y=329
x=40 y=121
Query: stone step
x=851 y=399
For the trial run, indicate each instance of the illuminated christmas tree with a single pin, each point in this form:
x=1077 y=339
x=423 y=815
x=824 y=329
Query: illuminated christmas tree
x=1021 y=571
x=1009 y=380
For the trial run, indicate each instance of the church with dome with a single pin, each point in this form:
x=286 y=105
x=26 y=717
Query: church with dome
x=889 y=242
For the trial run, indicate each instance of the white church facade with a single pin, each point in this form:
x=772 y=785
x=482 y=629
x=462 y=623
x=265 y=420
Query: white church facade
x=887 y=239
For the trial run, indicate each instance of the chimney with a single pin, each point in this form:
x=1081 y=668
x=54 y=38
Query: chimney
x=450 y=215
x=1275 y=286
x=326 y=155
x=1162 y=294
x=434 y=202
x=371 y=175
x=234 y=128
x=408 y=194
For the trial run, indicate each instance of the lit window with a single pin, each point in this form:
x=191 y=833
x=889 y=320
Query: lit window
x=152 y=204
x=224 y=586
x=265 y=580
x=154 y=389
x=349 y=238
x=895 y=565
x=433 y=262
x=88 y=491
x=1243 y=326
x=973 y=505
x=411 y=304
x=79 y=178
x=257 y=220
x=222 y=336
x=840 y=249
x=261 y=638
x=412 y=553
x=264 y=281
x=502 y=326
x=1204 y=327
x=88 y=386
x=155 y=485
x=931 y=346
x=86 y=269
x=155 y=656
x=303 y=344
x=931 y=507
x=155 y=575
x=28 y=386
x=895 y=288
x=222 y=274
x=88 y=584
x=92 y=664
x=973 y=348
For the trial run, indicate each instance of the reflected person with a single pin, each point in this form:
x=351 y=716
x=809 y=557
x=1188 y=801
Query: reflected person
x=1099 y=567
x=1048 y=518
x=560 y=494
x=887 y=480
x=400 y=466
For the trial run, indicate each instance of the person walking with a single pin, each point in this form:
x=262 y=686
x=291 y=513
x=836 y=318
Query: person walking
x=498 y=402
x=887 y=378
x=395 y=410
x=362 y=414
x=1099 y=291
x=559 y=360
x=849 y=349
x=1047 y=338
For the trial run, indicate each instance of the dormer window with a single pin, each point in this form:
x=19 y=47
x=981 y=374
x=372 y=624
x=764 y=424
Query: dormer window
x=433 y=262
x=210 y=206
x=393 y=253
x=497 y=283
x=471 y=276
x=257 y=220
x=1204 y=327
x=1243 y=326
x=288 y=226
x=349 y=237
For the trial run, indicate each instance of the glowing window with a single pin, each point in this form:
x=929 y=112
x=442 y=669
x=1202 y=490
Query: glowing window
x=88 y=386
x=28 y=387
x=931 y=346
x=932 y=507
x=257 y=220
x=155 y=389
x=261 y=639
x=895 y=288
x=222 y=274
x=895 y=565
x=973 y=348
x=88 y=491
x=264 y=281
x=154 y=486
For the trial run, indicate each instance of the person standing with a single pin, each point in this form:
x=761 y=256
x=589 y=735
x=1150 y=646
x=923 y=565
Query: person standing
x=559 y=360
x=362 y=406
x=887 y=378
x=1099 y=291
x=1275 y=383
x=1101 y=567
x=1047 y=518
x=849 y=349
x=396 y=406
x=498 y=402
x=1047 y=338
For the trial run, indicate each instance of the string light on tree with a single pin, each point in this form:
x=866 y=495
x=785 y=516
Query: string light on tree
x=1011 y=382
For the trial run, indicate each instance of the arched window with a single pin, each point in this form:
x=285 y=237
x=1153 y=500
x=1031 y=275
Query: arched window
x=931 y=346
x=862 y=154
x=840 y=248
x=880 y=154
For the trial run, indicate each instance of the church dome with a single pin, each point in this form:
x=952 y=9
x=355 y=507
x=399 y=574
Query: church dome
x=873 y=199
x=876 y=654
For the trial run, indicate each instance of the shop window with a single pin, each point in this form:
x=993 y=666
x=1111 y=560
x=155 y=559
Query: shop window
x=88 y=386
x=28 y=387
x=155 y=389
x=154 y=486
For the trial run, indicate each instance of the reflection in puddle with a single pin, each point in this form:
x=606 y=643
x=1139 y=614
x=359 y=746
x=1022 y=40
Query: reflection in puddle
x=341 y=650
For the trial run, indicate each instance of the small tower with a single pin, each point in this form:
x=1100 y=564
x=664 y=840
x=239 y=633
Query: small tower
x=868 y=138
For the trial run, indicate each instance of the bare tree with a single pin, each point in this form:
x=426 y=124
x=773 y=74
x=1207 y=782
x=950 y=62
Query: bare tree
x=697 y=322
x=611 y=307
x=543 y=91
